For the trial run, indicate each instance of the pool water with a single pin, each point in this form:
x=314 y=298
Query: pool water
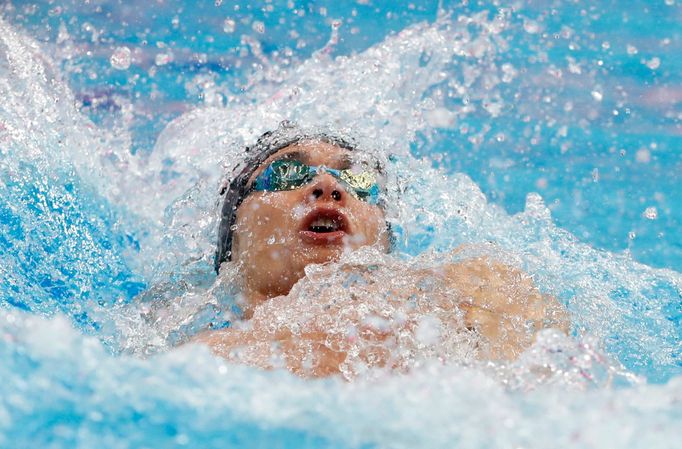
x=550 y=130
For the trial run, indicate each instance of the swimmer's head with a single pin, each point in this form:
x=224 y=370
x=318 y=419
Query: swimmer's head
x=299 y=198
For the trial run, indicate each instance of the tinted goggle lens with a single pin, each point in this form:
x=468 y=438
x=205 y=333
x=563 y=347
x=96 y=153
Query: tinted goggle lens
x=291 y=174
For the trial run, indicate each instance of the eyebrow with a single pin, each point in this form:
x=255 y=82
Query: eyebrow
x=295 y=155
x=345 y=162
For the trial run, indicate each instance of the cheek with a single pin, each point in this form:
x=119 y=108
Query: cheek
x=261 y=225
x=371 y=224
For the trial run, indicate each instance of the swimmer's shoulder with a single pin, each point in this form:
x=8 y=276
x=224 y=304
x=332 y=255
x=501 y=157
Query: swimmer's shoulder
x=490 y=283
x=221 y=341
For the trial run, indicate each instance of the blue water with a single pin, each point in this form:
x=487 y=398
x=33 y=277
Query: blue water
x=640 y=107
x=578 y=101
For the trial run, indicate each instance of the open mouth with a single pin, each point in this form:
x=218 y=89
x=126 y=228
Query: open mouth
x=324 y=226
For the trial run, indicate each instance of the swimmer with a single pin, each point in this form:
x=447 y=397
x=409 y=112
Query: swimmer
x=303 y=199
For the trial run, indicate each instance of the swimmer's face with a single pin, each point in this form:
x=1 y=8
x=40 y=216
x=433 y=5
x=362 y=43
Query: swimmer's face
x=279 y=233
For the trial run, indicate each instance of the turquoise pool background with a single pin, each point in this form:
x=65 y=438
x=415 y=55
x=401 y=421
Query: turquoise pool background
x=595 y=186
x=620 y=153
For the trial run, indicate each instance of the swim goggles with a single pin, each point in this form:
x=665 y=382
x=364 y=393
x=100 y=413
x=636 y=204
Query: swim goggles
x=290 y=174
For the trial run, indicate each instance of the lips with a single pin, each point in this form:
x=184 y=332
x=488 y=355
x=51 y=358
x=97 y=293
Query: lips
x=324 y=226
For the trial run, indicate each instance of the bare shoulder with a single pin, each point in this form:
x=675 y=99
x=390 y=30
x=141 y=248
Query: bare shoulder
x=223 y=341
x=492 y=285
x=306 y=354
x=479 y=272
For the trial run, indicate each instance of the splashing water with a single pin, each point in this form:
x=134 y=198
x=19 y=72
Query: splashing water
x=119 y=244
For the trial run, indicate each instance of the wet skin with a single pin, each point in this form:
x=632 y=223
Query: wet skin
x=275 y=240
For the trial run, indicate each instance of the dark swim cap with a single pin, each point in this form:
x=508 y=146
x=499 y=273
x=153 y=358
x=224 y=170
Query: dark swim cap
x=268 y=144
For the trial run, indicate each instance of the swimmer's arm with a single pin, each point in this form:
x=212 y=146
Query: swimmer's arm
x=224 y=342
x=305 y=355
x=500 y=303
x=503 y=304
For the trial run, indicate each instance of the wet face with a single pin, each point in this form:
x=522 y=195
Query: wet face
x=279 y=233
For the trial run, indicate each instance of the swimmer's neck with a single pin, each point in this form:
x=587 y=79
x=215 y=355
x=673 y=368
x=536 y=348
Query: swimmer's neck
x=250 y=300
x=254 y=294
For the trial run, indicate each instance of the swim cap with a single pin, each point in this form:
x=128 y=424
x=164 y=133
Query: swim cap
x=268 y=144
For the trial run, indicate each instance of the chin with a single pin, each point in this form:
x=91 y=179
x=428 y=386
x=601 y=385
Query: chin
x=321 y=254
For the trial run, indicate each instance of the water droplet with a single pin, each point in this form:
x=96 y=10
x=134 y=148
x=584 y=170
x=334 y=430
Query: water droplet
x=573 y=66
x=632 y=50
x=643 y=156
x=229 y=26
x=258 y=27
x=531 y=26
x=494 y=108
x=121 y=58
x=63 y=34
x=597 y=95
x=428 y=330
x=650 y=213
x=163 y=58
x=509 y=73
x=653 y=63
x=541 y=183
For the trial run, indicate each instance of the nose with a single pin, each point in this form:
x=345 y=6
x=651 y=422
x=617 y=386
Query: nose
x=326 y=188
